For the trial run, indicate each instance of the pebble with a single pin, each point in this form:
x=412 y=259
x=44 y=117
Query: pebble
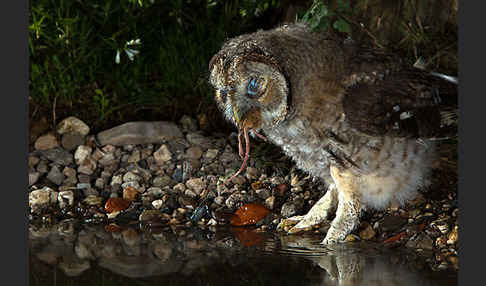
x=131 y=177
x=33 y=160
x=72 y=125
x=263 y=193
x=92 y=200
x=367 y=232
x=65 y=198
x=130 y=193
x=116 y=205
x=40 y=198
x=157 y=204
x=162 y=181
x=196 y=184
x=391 y=223
x=33 y=177
x=58 y=156
x=46 y=142
x=193 y=152
x=288 y=209
x=195 y=138
x=211 y=154
x=81 y=154
x=453 y=236
x=162 y=155
x=87 y=167
x=270 y=202
x=71 y=141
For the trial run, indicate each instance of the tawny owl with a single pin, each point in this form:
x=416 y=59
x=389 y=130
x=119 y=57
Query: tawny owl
x=355 y=116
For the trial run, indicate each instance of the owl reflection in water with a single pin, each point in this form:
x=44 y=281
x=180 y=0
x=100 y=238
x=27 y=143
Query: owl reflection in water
x=353 y=115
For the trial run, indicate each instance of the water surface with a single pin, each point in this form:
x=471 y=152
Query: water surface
x=72 y=254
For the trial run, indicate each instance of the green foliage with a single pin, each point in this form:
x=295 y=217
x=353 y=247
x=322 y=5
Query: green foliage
x=111 y=60
x=321 y=17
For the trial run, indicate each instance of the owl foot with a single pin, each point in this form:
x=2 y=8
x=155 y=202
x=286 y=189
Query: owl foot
x=317 y=214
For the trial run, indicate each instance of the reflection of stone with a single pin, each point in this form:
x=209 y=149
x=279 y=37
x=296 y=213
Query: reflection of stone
x=74 y=267
x=176 y=255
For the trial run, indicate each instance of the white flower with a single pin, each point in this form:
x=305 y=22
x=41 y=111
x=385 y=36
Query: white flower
x=117 y=57
x=129 y=49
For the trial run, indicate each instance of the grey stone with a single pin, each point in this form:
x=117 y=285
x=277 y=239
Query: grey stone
x=33 y=177
x=196 y=138
x=134 y=157
x=69 y=172
x=139 y=133
x=130 y=176
x=72 y=124
x=55 y=175
x=58 y=156
x=263 y=193
x=162 y=181
x=289 y=209
x=71 y=141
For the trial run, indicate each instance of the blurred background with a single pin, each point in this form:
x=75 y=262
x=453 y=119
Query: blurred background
x=108 y=62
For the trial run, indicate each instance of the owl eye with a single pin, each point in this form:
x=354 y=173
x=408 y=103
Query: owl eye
x=254 y=86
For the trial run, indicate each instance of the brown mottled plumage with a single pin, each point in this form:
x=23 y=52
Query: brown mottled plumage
x=352 y=115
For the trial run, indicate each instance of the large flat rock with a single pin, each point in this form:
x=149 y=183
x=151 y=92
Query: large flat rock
x=140 y=132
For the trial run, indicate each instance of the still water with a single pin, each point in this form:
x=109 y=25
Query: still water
x=68 y=253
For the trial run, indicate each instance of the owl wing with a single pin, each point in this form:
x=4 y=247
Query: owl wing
x=408 y=103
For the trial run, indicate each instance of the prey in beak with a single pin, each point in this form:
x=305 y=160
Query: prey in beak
x=252 y=121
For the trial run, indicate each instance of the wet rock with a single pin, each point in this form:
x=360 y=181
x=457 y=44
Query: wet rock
x=251 y=173
x=131 y=177
x=157 y=204
x=155 y=191
x=93 y=200
x=33 y=177
x=33 y=160
x=453 y=236
x=55 y=175
x=289 y=209
x=130 y=193
x=196 y=138
x=263 y=193
x=40 y=198
x=82 y=153
x=71 y=141
x=196 y=184
x=180 y=188
x=270 y=202
x=108 y=159
x=87 y=167
x=234 y=200
x=249 y=214
x=391 y=223
x=162 y=181
x=193 y=152
x=162 y=155
x=65 y=198
x=72 y=125
x=147 y=215
x=116 y=180
x=367 y=232
x=46 y=142
x=422 y=241
x=140 y=133
x=134 y=157
x=211 y=154
x=116 y=205
x=100 y=183
x=58 y=156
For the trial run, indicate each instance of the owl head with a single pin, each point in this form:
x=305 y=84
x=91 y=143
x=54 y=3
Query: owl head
x=251 y=89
